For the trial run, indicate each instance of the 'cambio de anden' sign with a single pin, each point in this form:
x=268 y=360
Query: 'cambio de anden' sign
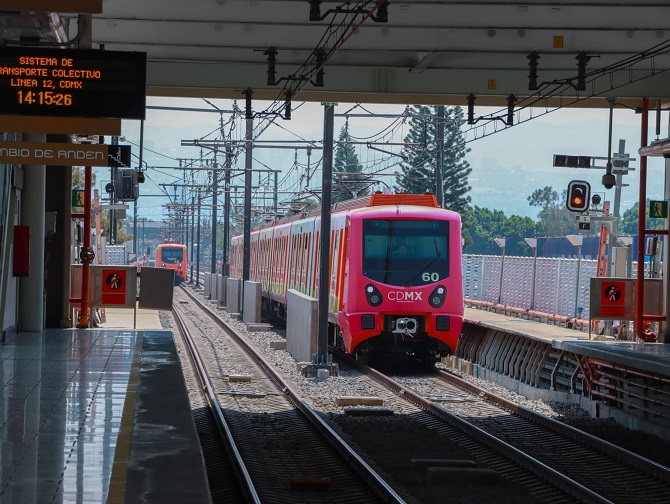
x=62 y=154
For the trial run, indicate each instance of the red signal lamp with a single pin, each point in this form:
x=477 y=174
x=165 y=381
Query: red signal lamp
x=579 y=193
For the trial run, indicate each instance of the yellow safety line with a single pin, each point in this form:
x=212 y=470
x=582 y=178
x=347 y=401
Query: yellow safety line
x=117 y=483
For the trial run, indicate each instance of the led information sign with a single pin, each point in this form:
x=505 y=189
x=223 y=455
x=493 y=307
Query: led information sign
x=72 y=83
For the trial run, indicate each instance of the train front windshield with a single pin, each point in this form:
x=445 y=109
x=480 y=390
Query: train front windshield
x=405 y=252
x=172 y=255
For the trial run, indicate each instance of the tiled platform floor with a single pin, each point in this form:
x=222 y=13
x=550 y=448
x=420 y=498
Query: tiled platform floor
x=97 y=416
x=61 y=403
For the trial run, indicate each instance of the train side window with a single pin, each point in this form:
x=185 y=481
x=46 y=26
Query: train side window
x=317 y=263
x=285 y=258
x=336 y=255
x=308 y=262
x=301 y=255
x=294 y=262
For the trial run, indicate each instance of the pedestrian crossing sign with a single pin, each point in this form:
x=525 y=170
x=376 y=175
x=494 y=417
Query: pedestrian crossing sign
x=658 y=209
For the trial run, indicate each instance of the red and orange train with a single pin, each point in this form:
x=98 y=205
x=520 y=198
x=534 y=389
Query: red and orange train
x=172 y=255
x=395 y=273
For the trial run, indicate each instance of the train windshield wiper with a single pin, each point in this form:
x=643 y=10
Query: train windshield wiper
x=427 y=265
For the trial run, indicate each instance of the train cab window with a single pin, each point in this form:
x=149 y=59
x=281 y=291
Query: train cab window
x=405 y=252
x=172 y=255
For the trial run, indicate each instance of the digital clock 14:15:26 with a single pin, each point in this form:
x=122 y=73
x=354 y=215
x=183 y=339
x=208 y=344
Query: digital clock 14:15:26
x=44 y=98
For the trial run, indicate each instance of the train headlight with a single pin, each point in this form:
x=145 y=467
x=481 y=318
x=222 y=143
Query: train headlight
x=438 y=296
x=373 y=295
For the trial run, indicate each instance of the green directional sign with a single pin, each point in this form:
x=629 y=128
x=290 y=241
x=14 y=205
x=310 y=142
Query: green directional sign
x=658 y=209
x=78 y=198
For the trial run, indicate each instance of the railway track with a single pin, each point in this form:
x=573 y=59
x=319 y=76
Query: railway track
x=617 y=464
x=549 y=467
x=226 y=471
x=284 y=451
x=583 y=465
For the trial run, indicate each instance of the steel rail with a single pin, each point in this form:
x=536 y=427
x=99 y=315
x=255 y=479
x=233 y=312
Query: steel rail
x=544 y=471
x=585 y=438
x=369 y=475
x=248 y=486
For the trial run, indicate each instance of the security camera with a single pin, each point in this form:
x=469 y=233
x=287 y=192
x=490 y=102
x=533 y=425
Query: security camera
x=609 y=180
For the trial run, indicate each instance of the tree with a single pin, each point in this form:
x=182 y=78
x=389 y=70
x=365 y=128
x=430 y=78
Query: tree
x=121 y=236
x=78 y=176
x=489 y=224
x=629 y=221
x=420 y=154
x=555 y=218
x=348 y=179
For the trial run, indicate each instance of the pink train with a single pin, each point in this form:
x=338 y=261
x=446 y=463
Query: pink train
x=396 y=287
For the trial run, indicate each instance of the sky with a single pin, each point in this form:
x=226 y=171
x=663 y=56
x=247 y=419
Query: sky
x=507 y=165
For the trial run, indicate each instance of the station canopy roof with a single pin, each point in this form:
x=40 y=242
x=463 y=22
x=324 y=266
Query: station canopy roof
x=548 y=52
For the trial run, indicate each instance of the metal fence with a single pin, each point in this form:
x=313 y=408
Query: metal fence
x=115 y=254
x=556 y=289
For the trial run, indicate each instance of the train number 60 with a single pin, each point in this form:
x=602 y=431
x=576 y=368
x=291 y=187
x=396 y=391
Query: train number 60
x=430 y=277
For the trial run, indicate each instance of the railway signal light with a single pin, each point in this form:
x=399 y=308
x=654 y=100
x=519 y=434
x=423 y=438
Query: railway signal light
x=579 y=196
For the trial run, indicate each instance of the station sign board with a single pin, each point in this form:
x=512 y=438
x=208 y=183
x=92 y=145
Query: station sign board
x=63 y=154
x=72 y=83
x=114 y=286
x=156 y=288
x=612 y=298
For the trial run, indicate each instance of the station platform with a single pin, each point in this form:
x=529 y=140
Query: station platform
x=98 y=415
x=625 y=380
x=652 y=357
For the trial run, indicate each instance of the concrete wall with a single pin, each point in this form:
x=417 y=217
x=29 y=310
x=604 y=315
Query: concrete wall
x=539 y=370
x=213 y=278
x=301 y=325
x=221 y=289
x=251 y=311
x=233 y=295
x=207 y=285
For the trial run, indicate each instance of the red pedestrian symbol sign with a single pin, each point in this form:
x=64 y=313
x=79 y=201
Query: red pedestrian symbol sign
x=114 y=281
x=114 y=286
x=612 y=299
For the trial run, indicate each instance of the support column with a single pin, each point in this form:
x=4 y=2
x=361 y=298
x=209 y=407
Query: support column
x=248 y=166
x=324 y=252
x=215 y=190
x=641 y=223
x=31 y=288
x=226 y=205
x=58 y=248
x=439 y=165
